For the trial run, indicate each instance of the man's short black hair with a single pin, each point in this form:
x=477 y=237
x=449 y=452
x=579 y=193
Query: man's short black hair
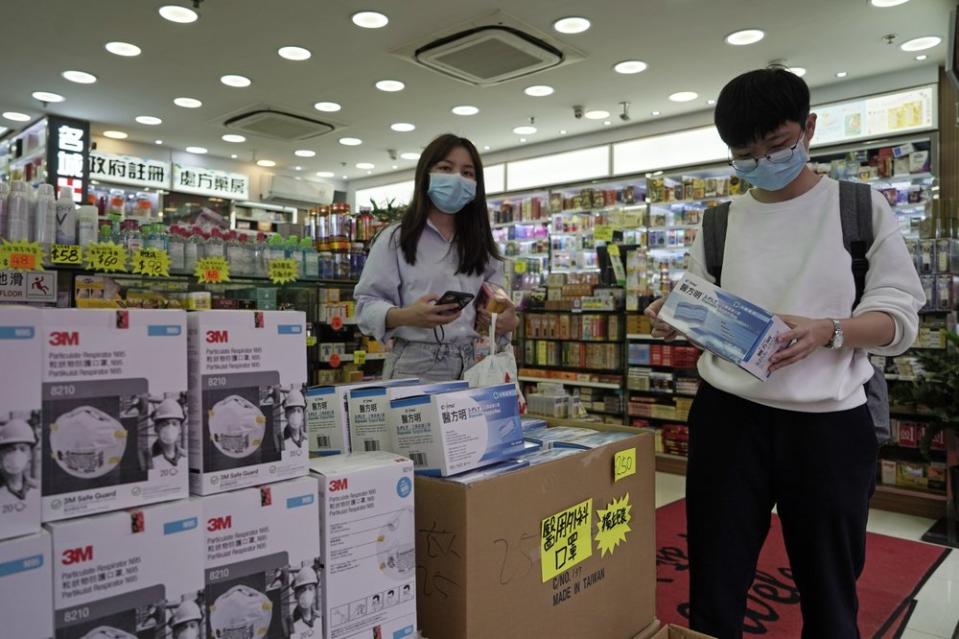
x=757 y=103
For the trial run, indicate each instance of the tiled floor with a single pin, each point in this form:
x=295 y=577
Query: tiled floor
x=937 y=612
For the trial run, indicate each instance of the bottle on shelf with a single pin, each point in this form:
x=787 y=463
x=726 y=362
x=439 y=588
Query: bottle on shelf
x=66 y=217
x=213 y=245
x=294 y=250
x=233 y=253
x=326 y=267
x=45 y=225
x=192 y=240
x=116 y=207
x=4 y=194
x=277 y=248
x=260 y=253
x=130 y=235
x=156 y=236
x=18 y=212
x=311 y=259
x=87 y=225
x=357 y=260
x=105 y=233
x=176 y=249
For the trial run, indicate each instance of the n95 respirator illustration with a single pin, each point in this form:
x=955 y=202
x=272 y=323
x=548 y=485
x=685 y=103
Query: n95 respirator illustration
x=87 y=442
x=395 y=548
x=236 y=426
x=241 y=613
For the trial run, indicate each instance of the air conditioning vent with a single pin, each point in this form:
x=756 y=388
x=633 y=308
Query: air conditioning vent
x=279 y=188
x=278 y=125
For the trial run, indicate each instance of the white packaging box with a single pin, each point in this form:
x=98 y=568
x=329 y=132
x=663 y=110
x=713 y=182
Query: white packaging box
x=328 y=417
x=372 y=423
x=247 y=396
x=455 y=432
x=368 y=535
x=128 y=573
x=262 y=561
x=21 y=451
x=114 y=410
x=549 y=437
x=26 y=581
x=724 y=324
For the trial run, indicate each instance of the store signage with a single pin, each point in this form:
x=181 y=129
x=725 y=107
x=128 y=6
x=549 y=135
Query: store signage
x=200 y=181
x=212 y=270
x=28 y=286
x=877 y=116
x=106 y=257
x=66 y=255
x=21 y=256
x=624 y=464
x=152 y=262
x=68 y=155
x=565 y=539
x=359 y=357
x=282 y=271
x=613 y=524
x=129 y=170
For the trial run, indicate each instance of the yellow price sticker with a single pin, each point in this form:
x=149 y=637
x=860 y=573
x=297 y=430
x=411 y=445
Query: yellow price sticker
x=624 y=464
x=107 y=257
x=519 y=267
x=613 y=250
x=359 y=357
x=565 y=539
x=311 y=340
x=282 y=270
x=66 y=255
x=21 y=256
x=152 y=262
x=603 y=234
x=613 y=524
x=212 y=270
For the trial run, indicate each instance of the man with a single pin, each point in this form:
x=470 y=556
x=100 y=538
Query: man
x=304 y=590
x=17 y=441
x=186 y=620
x=295 y=407
x=168 y=424
x=803 y=440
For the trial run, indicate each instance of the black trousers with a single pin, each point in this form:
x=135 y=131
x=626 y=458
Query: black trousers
x=819 y=469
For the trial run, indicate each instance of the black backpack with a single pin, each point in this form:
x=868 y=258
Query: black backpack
x=855 y=210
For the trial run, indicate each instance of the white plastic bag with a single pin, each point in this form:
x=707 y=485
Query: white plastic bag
x=495 y=368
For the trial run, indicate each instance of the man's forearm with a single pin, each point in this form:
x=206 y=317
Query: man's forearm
x=870 y=330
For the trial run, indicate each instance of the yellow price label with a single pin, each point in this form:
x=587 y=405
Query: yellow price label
x=359 y=357
x=565 y=539
x=613 y=524
x=152 y=262
x=613 y=250
x=66 y=255
x=624 y=464
x=107 y=257
x=212 y=270
x=282 y=271
x=519 y=267
x=21 y=256
x=603 y=234
x=311 y=340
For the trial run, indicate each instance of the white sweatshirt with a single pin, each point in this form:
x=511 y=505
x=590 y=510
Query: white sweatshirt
x=789 y=258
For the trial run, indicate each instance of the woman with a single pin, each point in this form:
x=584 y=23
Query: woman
x=444 y=243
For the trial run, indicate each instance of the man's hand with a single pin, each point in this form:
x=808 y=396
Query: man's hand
x=660 y=328
x=805 y=337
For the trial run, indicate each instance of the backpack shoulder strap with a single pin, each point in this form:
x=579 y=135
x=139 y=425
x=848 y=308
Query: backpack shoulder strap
x=715 y=223
x=855 y=212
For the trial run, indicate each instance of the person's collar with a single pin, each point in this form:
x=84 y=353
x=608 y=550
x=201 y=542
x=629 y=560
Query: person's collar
x=430 y=224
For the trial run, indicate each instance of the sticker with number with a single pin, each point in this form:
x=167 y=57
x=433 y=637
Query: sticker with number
x=624 y=464
x=66 y=255
x=282 y=271
x=106 y=257
x=21 y=256
x=152 y=262
x=359 y=357
x=212 y=270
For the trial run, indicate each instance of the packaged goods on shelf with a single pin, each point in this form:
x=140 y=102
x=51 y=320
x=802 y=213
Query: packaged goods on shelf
x=929 y=476
x=887 y=472
x=947 y=256
x=573 y=354
x=247 y=399
x=124 y=573
x=262 y=561
x=908 y=434
x=114 y=410
x=368 y=540
x=26 y=580
x=549 y=405
x=532 y=423
x=947 y=292
x=676 y=439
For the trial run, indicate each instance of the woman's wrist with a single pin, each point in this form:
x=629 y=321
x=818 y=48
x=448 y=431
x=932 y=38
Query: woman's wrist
x=395 y=317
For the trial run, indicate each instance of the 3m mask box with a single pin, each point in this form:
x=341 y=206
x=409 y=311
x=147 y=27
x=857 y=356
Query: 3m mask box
x=21 y=351
x=455 y=432
x=26 y=581
x=372 y=424
x=724 y=324
x=247 y=398
x=114 y=410
x=263 y=561
x=132 y=573
x=367 y=527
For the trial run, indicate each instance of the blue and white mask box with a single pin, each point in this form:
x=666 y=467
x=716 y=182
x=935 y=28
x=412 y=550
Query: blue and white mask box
x=455 y=432
x=26 y=581
x=724 y=324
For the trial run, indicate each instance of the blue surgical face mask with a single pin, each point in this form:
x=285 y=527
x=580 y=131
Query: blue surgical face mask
x=775 y=176
x=450 y=192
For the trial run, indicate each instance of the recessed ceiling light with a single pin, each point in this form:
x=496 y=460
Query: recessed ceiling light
x=16 y=117
x=327 y=107
x=370 y=20
x=797 y=71
x=920 y=44
x=325 y=174
x=486 y=148
x=369 y=172
x=365 y=166
x=465 y=109
x=233 y=156
x=238 y=81
x=522 y=140
x=841 y=74
x=351 y=141
x=116 y=135
x=175 y=13
x=304 y=153
x=745 y=37
x=539 y=90
x=654 y=113
x=524 y=130
x=390 y=86
x=80 y=77
x=628 y=67
x=149 y=120
x=606 y=123
x=344 y=177
x=921 y=57
x=234 y=138
x=572 y=24
x=188 y=103
x=46 y=96
x=297 y=168
x=197 y=150
x=124 y=49
x=410 y=156
x=403 y=127
x=882 y=4
x=297 y=54
x=596 y=114
x=266 y=163
x=562 y=131
x=158 y=141
x=710 y=102
x=683 y=96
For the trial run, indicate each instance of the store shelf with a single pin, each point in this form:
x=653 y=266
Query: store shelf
x=899 y=179
x=568 y=310
x=669 y=203
x=503 y=225
x=672 y=464
x=370 y=357
x=571 y=382
x=572 y=339
x=604 y=412
x=656 y=393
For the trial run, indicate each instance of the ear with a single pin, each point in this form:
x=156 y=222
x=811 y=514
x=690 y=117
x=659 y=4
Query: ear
x=810 y=128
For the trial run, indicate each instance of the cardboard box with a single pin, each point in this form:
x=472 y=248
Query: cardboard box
x=488 y=551
x=26 y=581
x=673 y=631
x=134 y=571
x=368 y=545
x=114 y=408
x=21 y=452
x=262 y=561
x=724 y=324
x=247 y=399
x=455 y=432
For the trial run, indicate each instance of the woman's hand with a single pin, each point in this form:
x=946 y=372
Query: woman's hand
x=660 y=328
x=423 y=313
x=506 y=322
x=806 y=336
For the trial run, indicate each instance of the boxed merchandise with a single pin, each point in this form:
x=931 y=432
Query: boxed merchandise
x=887 y=472
x=724 y=324
x=593 y=440
x=454 y=432
x=114 y=410
x=262 y=561
x=550 y=437
x=26 y=582
x=247 y=404
x=131 y=573
x=575 y=557
x=367 y=528
x=20 y=435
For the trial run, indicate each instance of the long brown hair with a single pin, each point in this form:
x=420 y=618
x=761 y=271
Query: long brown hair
x=474 y=237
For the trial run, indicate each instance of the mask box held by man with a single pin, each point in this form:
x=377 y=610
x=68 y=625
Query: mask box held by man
x=263 y=560
x=247 y=398
x=114 y=410
x=26 y=582
x=368 y=545
x=21 y=349
x=129 y=573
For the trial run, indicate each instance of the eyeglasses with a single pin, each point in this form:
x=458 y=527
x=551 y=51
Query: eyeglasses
x=776 y=157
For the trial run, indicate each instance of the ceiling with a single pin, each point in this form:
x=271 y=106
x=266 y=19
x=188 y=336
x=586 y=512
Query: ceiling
x=682 y=41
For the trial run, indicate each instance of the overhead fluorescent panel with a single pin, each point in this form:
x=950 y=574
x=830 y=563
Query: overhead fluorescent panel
x=572 y=166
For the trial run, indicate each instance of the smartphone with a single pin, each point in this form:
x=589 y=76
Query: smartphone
x=459 y=298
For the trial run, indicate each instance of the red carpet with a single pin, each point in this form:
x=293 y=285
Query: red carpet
x=895 y=571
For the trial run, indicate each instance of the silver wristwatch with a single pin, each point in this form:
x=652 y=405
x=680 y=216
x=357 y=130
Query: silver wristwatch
x=838 y=337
